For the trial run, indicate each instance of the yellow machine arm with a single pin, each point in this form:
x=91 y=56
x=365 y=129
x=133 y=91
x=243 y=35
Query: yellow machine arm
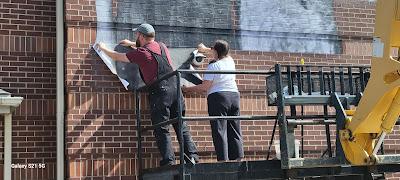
x=379 y=107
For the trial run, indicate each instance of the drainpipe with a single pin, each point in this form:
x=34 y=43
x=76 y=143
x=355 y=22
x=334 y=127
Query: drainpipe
x=60 y=87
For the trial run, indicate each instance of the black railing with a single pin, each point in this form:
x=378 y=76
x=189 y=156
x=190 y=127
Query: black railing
x=180 y=119
x=316 y=83
x=306 y=85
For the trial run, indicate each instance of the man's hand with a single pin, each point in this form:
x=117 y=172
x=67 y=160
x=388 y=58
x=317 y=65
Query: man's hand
x=127 y=43
x=100 y=46
x=184 y=89
x=116 y=56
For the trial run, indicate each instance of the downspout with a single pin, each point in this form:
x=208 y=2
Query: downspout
x=60 y=88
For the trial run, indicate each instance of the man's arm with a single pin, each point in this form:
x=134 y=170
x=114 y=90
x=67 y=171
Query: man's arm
x=116 y=56
x=203 y=49
x=128 y=43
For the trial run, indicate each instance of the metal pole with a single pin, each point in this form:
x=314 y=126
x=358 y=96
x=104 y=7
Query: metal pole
x=139 y=135
x=328 y=132
x=290 y=89
x=333 y=85
x=7 y=146
x=362 y=79
x=283 y=132
x=378 y=145
x=310 y=122
x=351 y=84
x=300 y=91
x=180 y=125
x=340 y=124
x=309 y=80
x=327 y=128
x=341 y=80
x=60 y=127
x=272 y=138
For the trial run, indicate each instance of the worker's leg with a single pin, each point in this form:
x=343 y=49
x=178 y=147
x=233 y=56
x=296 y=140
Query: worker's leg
x=234 y=132
x=217 y=106
x=189 y=145
x=159 y=113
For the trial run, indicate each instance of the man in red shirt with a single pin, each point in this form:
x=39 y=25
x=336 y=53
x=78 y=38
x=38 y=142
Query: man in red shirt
x=154 y=61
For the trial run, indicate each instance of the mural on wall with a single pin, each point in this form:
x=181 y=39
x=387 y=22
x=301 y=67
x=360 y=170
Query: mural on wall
x=303 y=26
x=262 y=25
x=127 y=73
x=110 y=32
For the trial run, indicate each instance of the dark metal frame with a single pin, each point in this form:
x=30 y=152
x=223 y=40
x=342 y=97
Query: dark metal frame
x=286 y=123
x=180 y=119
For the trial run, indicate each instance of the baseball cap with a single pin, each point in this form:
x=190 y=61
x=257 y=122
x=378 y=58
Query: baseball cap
x=145 y=29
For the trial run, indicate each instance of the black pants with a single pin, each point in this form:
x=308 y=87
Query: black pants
x=227 y=135
x=164 y=106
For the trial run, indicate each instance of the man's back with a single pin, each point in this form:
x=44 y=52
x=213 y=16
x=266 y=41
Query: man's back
x=146 y=61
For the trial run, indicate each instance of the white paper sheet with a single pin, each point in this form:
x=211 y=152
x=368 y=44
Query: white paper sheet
x=110 y=64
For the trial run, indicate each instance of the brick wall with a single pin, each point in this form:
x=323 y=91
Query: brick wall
x=101 y=124
x=27 y=69
x=101 y=136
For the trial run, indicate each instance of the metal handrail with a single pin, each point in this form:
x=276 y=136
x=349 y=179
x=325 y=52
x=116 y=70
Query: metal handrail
x=231 y=118
x=224 y=72
x=180 y=119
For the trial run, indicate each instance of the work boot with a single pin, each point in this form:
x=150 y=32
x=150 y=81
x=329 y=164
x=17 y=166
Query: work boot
x=191 y=160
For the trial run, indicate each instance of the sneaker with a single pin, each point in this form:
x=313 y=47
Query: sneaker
x=195 y=158
x=190 y=160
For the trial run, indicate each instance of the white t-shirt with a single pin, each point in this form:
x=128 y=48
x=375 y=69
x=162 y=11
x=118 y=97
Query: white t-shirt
x=222 y=82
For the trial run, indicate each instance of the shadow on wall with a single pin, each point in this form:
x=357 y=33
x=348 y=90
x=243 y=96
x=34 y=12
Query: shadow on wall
x=98 y=129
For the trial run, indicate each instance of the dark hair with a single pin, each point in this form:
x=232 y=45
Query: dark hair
x=222 y=48
x=150 y=35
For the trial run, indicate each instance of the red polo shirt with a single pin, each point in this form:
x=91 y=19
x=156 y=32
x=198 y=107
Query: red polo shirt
x=146 y=62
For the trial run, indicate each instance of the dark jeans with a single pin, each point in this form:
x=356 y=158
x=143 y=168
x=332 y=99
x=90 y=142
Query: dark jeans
x=164 y=106
x=227 y=135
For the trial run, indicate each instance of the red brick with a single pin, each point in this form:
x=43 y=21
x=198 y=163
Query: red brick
x=36 y=80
